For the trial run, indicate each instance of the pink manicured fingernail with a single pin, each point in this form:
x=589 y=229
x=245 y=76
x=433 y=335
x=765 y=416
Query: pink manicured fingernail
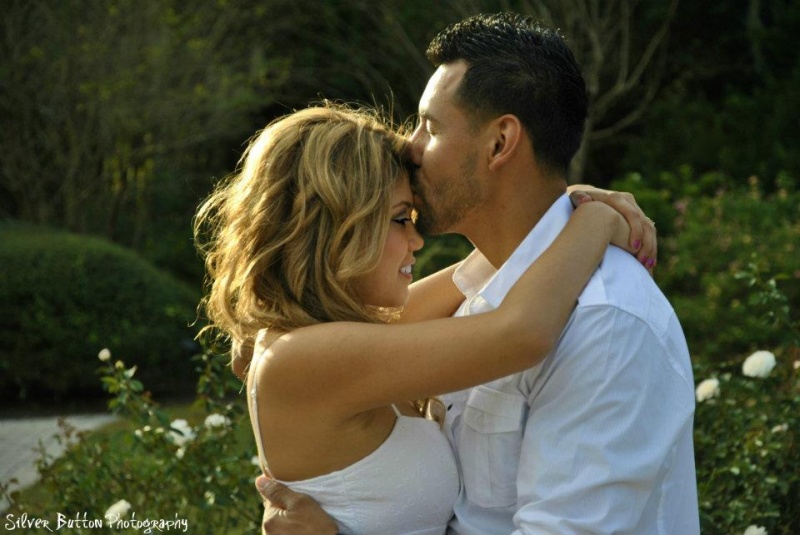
x=650 y=262
x=636 y=244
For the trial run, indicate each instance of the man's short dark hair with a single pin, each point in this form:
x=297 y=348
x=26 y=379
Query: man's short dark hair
x=517 y=66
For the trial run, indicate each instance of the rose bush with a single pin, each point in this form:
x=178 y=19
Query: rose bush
x=157 y=468
x=746 y=433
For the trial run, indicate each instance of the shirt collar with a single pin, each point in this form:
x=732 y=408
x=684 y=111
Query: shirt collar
x=472 y=275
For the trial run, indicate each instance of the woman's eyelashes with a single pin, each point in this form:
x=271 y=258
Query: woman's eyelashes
x=403 y=220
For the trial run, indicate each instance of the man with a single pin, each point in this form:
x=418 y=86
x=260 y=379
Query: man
x=597 y=438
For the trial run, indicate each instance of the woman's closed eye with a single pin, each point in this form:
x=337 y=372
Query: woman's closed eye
x=403 y=220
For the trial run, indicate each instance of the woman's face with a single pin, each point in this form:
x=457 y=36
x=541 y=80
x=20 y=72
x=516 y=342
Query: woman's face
x=387 y=284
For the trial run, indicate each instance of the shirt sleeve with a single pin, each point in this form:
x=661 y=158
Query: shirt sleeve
x=605 y=414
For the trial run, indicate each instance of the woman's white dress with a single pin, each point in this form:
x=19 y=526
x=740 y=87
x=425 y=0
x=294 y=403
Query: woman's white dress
x=407 y=486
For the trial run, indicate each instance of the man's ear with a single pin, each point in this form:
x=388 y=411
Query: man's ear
x=505 y=138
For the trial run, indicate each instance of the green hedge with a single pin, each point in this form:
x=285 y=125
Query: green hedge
x=707 y=239
x=63 y=297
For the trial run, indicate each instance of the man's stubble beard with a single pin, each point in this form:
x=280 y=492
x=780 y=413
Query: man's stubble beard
x=455 y=199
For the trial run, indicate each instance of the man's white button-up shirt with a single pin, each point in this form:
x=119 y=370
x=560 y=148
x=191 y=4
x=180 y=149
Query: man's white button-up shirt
x=598 y=437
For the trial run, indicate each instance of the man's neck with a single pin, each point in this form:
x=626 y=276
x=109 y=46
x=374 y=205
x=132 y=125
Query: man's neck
x=501 y=225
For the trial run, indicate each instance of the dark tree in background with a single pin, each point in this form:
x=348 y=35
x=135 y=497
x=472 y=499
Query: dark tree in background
x=731 y=97
x=374 y=51
x=118 y=115
x=103 y=100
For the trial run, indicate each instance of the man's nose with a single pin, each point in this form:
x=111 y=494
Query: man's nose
x=416 y=146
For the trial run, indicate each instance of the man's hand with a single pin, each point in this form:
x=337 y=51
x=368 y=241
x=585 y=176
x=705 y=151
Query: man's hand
x=643 y=229
x=289 y=513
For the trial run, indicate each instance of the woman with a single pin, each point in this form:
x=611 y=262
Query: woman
x=312 y=245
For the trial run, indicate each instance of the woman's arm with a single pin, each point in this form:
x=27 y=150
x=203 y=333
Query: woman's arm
x=436 y=296
x=643 y=229
x=348 y=368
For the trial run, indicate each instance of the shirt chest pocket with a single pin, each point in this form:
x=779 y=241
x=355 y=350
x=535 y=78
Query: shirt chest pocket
x=489 y=446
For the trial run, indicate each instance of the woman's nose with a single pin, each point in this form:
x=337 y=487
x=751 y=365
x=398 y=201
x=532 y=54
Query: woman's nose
x=415 y=239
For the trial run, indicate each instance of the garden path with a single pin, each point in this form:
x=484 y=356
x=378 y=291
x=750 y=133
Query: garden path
x=19 y=437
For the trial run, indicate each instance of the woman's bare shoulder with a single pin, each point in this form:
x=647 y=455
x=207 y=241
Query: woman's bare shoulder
x=312 y=338
x=301 y=358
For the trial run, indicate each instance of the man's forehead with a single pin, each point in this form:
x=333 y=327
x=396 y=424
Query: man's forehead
x=441 y=86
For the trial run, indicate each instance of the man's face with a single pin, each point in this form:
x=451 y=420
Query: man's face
x=446 y=188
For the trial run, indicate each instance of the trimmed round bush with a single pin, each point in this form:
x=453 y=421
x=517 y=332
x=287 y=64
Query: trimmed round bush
x=64 y=297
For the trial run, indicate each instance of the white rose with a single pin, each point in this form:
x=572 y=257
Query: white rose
x=104 y=355
x=755 y=530
x=181 y=432
x=707 y=389
x=117 y=511
x=759 y=364
x=217 y=420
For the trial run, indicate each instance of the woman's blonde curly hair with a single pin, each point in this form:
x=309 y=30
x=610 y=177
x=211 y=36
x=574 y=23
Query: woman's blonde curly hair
x=304 y=215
